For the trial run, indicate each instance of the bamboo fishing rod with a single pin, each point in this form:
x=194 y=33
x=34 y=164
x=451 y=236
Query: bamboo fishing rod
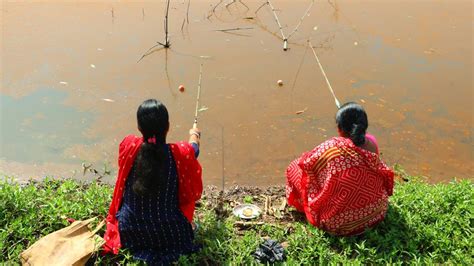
x=338 y=104
x=198 y=98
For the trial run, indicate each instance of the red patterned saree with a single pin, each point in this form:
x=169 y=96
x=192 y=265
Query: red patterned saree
x=342 y=189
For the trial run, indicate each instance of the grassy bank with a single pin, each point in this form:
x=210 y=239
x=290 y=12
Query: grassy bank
x=425 y=224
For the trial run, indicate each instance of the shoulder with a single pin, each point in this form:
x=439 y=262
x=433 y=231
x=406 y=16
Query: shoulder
x=331 y=143
x=182 y=148
x=130 y=140
x=371 y=144
x=371 y=137
x=309 y=159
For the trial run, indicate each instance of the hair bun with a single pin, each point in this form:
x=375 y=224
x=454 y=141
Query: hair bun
x=358 y=134
x=351 y=118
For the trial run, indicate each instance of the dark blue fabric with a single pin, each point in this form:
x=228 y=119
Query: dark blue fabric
x=151 y=226
x=196 y=149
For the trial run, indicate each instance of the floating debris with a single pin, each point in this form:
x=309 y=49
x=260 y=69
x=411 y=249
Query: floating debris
x=99 y=49
x=315 y=28
x=181 y=88
x=234 y=29
x=108 y=100
x=202 y=109
x=362 y=100
x=430 y=51
x=63 y=82
x=356 y=43
x=301 y=111
x=92 y=65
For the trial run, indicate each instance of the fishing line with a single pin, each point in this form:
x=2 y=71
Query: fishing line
x=338 y=104
x=297 y=74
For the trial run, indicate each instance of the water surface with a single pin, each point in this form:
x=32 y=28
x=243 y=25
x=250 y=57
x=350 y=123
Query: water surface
x=71 y=83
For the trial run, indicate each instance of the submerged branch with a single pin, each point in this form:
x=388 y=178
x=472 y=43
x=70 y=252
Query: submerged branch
x=234 y=29
x=150 y=51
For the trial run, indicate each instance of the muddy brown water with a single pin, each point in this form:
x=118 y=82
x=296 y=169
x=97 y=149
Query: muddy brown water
x=71 y=83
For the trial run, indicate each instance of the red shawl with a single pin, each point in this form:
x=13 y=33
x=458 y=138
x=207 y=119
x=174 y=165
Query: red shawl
x=189 y=186
x=341 y=188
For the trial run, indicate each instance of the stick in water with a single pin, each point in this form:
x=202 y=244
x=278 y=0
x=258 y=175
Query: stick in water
x=283 y=37
x=223 y=162
x=198 y=97
x=338 y=104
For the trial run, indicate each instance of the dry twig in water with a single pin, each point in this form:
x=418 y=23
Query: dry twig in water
x=213 y=12
x=186 y=19
x=275 y=16
x=235 y=1
x=234 y=29
x=167 y=43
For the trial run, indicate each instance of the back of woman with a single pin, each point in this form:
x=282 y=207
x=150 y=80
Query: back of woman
x=342 y=185
x=157 y=186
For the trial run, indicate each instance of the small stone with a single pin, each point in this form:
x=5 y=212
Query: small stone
x=280 y=82
x=181 y=88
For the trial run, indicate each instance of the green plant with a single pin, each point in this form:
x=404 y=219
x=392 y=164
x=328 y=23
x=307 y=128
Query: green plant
x=248 y=199
x=425 y=224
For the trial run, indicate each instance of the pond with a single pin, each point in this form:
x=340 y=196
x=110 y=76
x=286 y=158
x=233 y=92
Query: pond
x=72 y=79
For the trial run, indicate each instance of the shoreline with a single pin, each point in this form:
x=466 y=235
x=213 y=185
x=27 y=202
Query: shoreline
x=425 y=223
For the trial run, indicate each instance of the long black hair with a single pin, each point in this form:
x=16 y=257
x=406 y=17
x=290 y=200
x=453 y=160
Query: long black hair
x=351 y=119
x=153 y=123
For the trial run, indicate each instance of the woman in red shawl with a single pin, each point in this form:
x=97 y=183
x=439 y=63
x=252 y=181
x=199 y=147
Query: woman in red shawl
x=342 y=185
x=157 y=186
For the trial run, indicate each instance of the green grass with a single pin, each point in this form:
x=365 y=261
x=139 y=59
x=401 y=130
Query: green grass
x=425 y=224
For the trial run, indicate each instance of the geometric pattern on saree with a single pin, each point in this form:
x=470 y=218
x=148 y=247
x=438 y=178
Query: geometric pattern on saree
x=347 y=188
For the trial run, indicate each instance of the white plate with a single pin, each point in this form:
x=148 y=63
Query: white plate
x=239 y=211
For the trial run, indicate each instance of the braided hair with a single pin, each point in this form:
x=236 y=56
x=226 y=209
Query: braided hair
x=153 y=123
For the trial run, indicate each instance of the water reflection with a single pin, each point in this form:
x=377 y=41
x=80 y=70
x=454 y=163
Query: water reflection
x=39 y=128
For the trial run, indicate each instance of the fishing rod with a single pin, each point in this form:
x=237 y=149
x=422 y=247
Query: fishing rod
x=338 y=104
x=223 y=158
x=197 y=98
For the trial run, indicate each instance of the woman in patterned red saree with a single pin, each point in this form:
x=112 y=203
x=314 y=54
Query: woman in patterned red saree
x=154 y=197
x=342 y=185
